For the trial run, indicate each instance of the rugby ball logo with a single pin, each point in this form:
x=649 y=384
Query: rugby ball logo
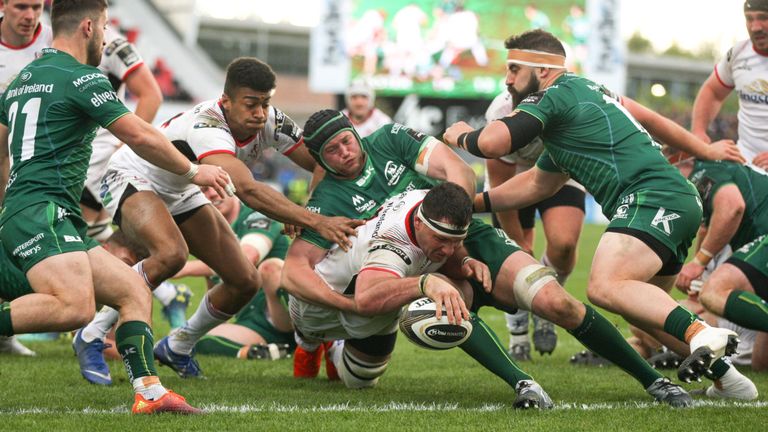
x=419 y=325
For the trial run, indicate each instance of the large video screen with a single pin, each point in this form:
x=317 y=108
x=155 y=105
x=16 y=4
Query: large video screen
x=451 y=48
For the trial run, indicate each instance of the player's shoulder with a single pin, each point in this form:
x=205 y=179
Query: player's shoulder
x=739 y=49
x=396 y=132
x=282 y=126
x=501 y=106
x=209 y=117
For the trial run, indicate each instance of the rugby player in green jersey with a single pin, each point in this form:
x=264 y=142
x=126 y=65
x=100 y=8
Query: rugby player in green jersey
x=48 y=117
x=735 y=214
x=363 y=173
x=590 y=136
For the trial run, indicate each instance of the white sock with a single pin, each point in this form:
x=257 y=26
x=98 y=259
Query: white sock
x=100 y=325
x=338 y=350
x=149 y=387
x=205 y=318
x=562 y=276
x=165 y=293
x=517 y=323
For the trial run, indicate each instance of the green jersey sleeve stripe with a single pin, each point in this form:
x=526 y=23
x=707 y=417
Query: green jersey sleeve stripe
x=116 y=119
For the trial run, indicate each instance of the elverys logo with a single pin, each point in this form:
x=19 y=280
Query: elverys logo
x=26 y=76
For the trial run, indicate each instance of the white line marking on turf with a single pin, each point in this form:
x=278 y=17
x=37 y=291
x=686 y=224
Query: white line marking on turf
x=391 y=407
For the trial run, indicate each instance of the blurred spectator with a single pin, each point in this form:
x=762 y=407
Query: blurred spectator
x=168 y=83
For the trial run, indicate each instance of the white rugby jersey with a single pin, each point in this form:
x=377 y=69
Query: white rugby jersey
x=371 y=124
x=501 y=106
x=386 y=243
x=14 y=58
x=203 y=131
x=746 y=70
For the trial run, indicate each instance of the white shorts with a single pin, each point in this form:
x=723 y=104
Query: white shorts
x=321 y=323
x=126 y=168
x=104 y=146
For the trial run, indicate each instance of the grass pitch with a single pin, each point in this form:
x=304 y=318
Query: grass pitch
x=421 y=390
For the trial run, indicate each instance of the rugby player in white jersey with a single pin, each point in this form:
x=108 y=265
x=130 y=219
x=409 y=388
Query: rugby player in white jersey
x=360 y=97
x=21 y=36
x=744 y=69
x=392 y=261
x=172 y=219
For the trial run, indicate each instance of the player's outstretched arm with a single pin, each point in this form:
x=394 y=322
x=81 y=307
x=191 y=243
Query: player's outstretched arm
x=707 y=105
x=520 y=191
x=378 y=292
x=301 y=281
x=442 y=163
x=499 y=138
x=676 y=136
x=154 y=147
x=275 y=205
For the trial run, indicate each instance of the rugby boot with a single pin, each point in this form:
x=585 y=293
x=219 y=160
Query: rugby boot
x=330 y=366
x=11 y=345
x=733 y=385
x=519 y=348
x=544 y=335
x=176 y=311
x=663 y=390
x=168 y=403
x=184 y=365
x=709 y=344
x=588 y=358
x=666 y=359
x=306 y=364
x=90 y=355
x=531 y=395
x=271 y=351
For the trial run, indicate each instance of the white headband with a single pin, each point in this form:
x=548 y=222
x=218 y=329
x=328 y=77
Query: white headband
x=442 y=228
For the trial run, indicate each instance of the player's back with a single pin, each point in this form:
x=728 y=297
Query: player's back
x=52 y=109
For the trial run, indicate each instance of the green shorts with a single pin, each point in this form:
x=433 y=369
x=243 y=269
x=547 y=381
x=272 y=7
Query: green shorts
x=254 y=317
x=13 y=283
x=666 y=221
x=752 y=260
x=40 y=231
x=489 y=245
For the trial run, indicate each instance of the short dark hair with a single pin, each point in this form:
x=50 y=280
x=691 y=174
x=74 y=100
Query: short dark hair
x=119 y=238
x=449 y=202
x=538 y=40
x=251 y=73
x=66 y=15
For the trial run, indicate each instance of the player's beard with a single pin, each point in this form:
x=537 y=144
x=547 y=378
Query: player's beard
x=532 y=87
x=93 y=53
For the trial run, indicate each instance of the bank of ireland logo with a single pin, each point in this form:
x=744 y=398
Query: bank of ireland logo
x=661 y=220
x=392 y=172
x=26 y=76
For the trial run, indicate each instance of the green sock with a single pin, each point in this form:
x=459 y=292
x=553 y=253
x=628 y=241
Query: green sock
x=602 y=338
x=747 y=310
x=678 y=321
x=6 y=326
x=217 y=345
x=485 y=347
x=134 y=343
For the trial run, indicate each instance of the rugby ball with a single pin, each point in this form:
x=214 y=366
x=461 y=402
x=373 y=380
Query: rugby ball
x=419 y=325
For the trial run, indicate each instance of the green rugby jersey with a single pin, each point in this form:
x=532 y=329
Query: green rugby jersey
x=249 y=221
x=52 y=110
x=709 y=177
x=590 y=136
x=390 y=168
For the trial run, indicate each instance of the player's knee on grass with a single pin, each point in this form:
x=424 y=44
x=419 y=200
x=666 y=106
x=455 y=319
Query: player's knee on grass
x=363 y=361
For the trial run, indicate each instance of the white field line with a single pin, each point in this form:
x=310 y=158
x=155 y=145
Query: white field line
x=388 y=407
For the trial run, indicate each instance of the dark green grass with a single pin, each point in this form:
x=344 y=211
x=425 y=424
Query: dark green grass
x=421 y=390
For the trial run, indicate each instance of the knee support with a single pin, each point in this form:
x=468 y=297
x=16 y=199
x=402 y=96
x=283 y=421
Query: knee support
x=529 y=280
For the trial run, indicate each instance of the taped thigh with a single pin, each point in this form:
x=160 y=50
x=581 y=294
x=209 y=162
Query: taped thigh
x=529 y=280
